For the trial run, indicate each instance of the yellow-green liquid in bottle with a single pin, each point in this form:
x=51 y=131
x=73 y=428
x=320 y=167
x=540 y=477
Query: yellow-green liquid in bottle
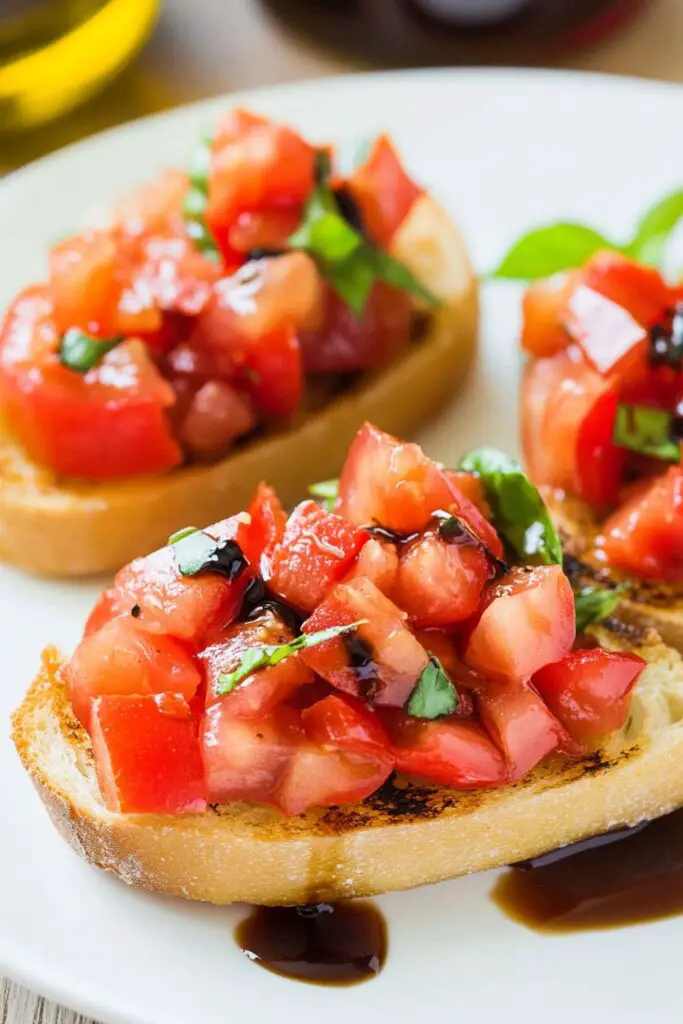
x=56 y=53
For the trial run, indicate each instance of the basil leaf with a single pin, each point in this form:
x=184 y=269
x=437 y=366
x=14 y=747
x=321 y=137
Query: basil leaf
x=196 y=199
x=399 y=276
x=643 y=429
x=352 y=280
x=179 y=534
x=519 y=512
x=197 y=552
x=255 y=658
x=548 y=250
x=654 y=229
x=593 y=604
x=323 y=231
x=79 y=351
x=434 y=695
x=327 y=491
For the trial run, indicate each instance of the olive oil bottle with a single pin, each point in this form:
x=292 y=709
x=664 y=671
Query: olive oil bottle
x=56 y=53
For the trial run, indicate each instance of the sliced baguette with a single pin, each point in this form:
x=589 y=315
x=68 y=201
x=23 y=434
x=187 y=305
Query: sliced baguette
x=405 y=835
x=65 y=527
x=646 y=603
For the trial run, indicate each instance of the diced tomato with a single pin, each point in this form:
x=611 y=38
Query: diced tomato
x=121 y=659
x=385 y=660
x=274 y=374
x=348 y=724
x=247 y=758
x=318 y=547
x=568 y=413
x=188 y=607
x=377 y=562
x=521 y=726
x=612 y=341
x=217 y=415
x=438 y=583
x=392 y=483
x=326 y=777
x=385 y=194
x=147 y=755
x=267 y=230
x=448 y=751
x=170 y=270
x=543 y=308
x=109 y=423
x=590 y=690
x=155 y=207
x=464 y=678
x=472 y=487
x=529 y=621
x=345 y=342
x=266 y=527
x=645 y=535
x=105 y=609
x=640 y=290
x=264 y=689
x=255 y=164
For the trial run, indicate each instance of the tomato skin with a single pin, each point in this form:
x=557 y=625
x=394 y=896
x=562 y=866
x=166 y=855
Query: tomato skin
x=348 y=724
x=383 y=191
x=393 y=483
x=266 y=527
x=645 y=535
x=521 y=726
x=268 y=229
x=440 y=584
x=324 y=777
x=344 y=342
x=274 y=374
x=543 y=306
x=216 y=416
x=590 y=690
x=396 y=658
x=377 y=562
x=155 y=207
x=188 y=608
x=529 y=621
x=109 y=423
x=147 y=755
x=264 y=689
x=639 y=289
x=449 y=751
x=317 y=549
x=245 y=758
x=611 y=339
x=568 y=413
x=120 y=659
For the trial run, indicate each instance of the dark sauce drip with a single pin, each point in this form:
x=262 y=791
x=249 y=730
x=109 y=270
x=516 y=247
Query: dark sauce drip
x=264 y=254
x=666 y=340
x=361 y=658
x=623 y=877
x=392 y=536
x=136 y=611
x=676 y=426
x=327 y=944
x=256 y=602
x=348 y=207
x=454 y=530
x=227 y=560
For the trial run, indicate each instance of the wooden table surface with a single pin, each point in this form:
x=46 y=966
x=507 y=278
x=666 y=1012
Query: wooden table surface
x=211 y=46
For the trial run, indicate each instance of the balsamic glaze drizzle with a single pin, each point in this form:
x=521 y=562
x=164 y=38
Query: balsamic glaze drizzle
x=666 y=340
x=361 y=658
x=454 y=530
x=256 y=602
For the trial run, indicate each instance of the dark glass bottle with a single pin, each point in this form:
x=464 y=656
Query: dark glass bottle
x=405 y=32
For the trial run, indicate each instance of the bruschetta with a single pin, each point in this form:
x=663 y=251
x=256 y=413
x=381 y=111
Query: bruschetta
x=601 y=429
x=383 y=689
x=230 y=323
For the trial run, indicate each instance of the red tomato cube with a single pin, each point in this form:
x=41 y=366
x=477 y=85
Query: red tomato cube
x=645 y=535
x=521 y=726
x=384 y=192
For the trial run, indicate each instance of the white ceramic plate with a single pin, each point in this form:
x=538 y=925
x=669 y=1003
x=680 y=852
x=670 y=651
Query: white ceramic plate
x=504 y=150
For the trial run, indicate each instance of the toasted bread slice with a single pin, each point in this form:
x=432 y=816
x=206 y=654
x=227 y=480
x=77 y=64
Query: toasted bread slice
x=406 y=834
x=646 y=603
x=66 y=527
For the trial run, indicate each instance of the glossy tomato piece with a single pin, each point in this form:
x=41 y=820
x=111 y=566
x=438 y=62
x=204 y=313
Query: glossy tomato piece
x=449 y=751
x=543 y=311
x=273 y=373
x=255 y=164
x=247 y=758
x=266 y=230
x=121 y=659
x=590 y=690
x=521 y=726
x=264 y=689
x=190 y=608
x=147 y=755
x=612 y=341
x=264 y=530
x=349 y=724
x=171 y=270
x=440 y=584
x=384 y=192
x=381 y=658
x=528 y=622
x=645 y=535
x=217 y=414
x=106 y=424
x=377 y=562
x=344 y=342
x=392 y=483
x=317 y=549
x=155 y=207
x=472 y=487
x=331 y=778
x=568 y=414
x=638 y=289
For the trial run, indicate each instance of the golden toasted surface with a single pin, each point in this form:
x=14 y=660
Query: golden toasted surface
x=406 y=834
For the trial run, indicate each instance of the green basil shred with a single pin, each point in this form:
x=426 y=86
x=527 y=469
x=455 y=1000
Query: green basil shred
x=196 y=199
x=80 y=352
x=327 y=491
x=644 y=429
x=594 y=603
x=434 y=695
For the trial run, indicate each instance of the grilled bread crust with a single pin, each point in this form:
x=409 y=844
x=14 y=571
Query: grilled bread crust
x=63 y=527
x=406 y=834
